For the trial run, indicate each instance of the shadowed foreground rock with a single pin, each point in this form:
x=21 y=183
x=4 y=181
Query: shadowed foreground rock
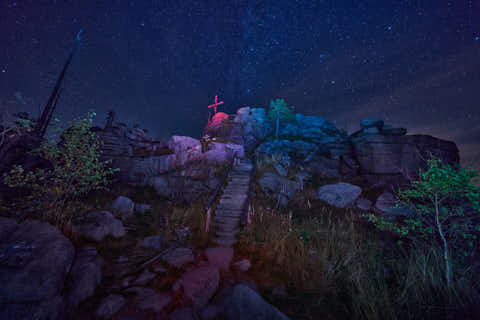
x=245 y=304
x=35 y=259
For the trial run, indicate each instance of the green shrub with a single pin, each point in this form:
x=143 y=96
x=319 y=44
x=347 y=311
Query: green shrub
x=76 y=171
x=279 y=111
x=429 y=195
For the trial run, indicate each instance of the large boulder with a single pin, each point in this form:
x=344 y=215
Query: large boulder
x=279 y=188
x=255 y=126
x=96 y=225
x=188 y=184
x=35 y=260
x=243 y=303
x=123 y=207
x=223 y=152
x=185 y=148
x=86 y=275
x=199 y=285
x=340 y=195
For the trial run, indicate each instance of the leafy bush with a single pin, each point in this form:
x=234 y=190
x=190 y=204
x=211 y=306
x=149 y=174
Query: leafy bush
x=279 y=111
x=435 y=215
x=76 y=171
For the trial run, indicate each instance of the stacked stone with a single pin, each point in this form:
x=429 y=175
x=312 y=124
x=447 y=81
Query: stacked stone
x=387 y=152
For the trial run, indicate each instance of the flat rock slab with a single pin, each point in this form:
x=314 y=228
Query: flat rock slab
x=199 y=285
x=219 y=257
x=178 y=257
x=245 y=304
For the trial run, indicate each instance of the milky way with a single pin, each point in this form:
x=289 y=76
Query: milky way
x=160 y=63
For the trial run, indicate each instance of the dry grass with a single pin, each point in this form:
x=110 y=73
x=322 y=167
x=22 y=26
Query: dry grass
x=337 y=268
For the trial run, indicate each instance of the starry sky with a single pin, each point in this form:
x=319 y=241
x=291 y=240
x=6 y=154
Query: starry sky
x=413 y=63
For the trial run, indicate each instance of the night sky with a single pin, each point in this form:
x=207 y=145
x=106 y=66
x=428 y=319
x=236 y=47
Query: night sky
x=416 y=64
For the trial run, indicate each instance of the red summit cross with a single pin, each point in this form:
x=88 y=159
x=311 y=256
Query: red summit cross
x=215 y=105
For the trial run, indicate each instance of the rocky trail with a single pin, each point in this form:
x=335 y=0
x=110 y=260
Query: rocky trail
x=232 y=205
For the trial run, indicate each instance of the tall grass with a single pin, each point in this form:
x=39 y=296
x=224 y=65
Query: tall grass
x=344 y=264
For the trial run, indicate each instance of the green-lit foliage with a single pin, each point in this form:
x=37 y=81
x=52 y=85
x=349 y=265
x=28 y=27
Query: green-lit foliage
x=279 y=111
x=76 y=171
x=429 y=195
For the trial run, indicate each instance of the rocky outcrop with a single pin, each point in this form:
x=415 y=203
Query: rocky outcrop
x=388 y=156
x=377 y=154
x=177 y=169
x=255 y=126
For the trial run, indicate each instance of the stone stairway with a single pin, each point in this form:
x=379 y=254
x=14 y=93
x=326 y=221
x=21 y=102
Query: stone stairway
x=232 y=205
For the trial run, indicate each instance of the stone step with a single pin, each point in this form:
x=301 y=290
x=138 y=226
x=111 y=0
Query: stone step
x=225 y=241
x=240 y=173
x=234 y=191
x=239 y=176
x=225 y=227
x=234 y=195
x=229 y=213
x=226 y=220
x=238 y=184
x=237 y=179
x=240 y=190
x=231 y=206
x=227 y=234
x=232 y=201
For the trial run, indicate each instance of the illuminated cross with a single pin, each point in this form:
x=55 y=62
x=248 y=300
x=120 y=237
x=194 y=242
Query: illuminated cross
x=215 y=105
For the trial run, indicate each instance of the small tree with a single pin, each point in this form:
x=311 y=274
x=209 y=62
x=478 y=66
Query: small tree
x=77 y=170
x=279 y=111
x=430 y=195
